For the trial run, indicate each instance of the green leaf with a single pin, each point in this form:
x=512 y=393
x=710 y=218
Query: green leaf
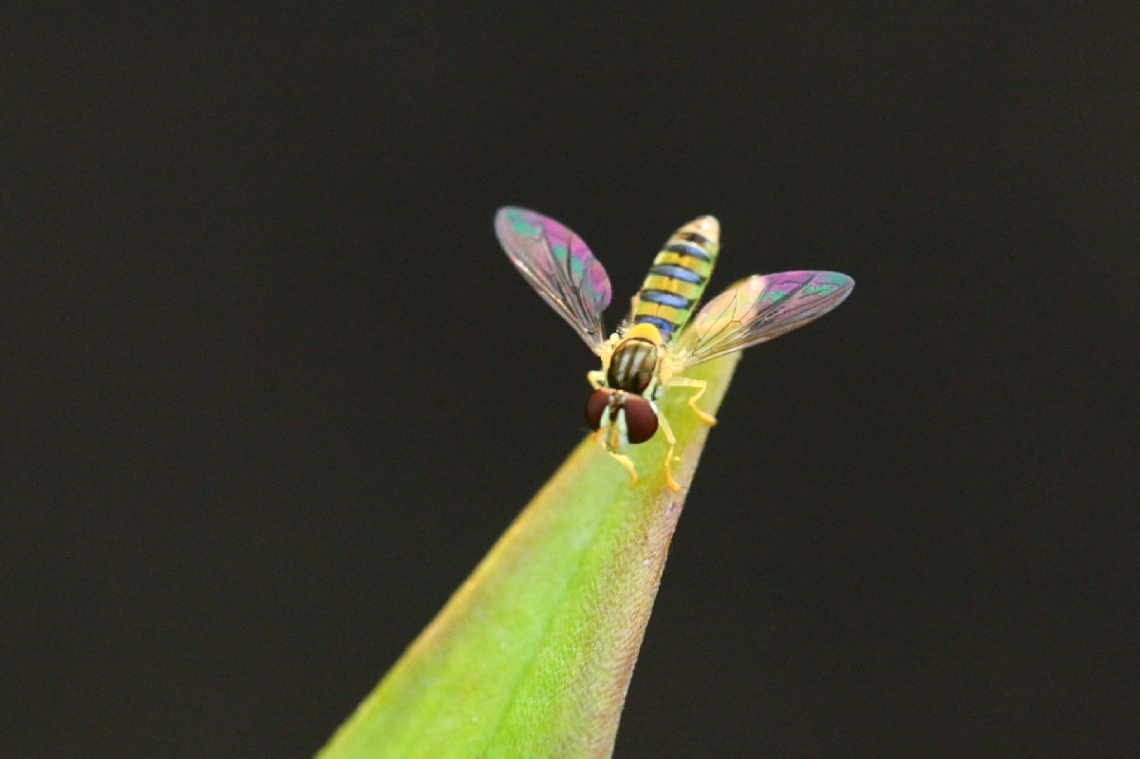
x=532 y=656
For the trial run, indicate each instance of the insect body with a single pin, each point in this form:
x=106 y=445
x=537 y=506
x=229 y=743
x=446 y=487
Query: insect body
x=657 y=342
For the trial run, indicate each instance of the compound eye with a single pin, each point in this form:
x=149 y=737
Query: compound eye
x=640 y=419
x=596 y=406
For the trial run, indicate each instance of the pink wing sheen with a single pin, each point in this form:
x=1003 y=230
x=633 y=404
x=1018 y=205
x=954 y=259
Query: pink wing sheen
x=559 y=267
x=758 y=309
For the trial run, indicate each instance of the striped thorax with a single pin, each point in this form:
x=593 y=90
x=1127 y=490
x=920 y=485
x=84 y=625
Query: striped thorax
x=635 y=361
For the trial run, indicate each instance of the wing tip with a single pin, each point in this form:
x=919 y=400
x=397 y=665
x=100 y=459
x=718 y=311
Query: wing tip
x=505 y=213
x=840 y=286
x=843 y=283
x=518 y=220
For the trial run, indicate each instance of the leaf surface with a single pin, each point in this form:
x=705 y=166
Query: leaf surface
x=532 y=655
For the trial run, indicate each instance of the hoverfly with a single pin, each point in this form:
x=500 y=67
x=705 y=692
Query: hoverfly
x=656 y=342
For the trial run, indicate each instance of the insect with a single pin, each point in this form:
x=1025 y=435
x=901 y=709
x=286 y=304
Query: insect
x=657 y=341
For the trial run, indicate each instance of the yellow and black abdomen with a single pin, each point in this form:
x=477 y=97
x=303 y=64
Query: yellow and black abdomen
x=678 y=277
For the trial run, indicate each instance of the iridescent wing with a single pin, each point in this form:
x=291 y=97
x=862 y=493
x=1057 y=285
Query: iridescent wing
x=559 y=266
x=758 y=309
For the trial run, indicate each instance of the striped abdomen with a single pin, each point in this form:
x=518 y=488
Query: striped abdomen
x=678 y=277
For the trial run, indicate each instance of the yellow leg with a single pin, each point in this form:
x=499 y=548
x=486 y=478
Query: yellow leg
x=668 y=432
x=597 y=379
x=702 y=386
x=624 y=461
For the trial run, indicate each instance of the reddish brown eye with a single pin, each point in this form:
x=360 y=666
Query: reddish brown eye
x=596 y=406
x=640 y=419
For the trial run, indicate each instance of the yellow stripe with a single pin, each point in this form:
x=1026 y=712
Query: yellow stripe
x=688 y=290
x=668 y=313
x=669 y=257
x=695 y=265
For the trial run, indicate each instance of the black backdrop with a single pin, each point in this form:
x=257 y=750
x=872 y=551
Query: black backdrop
x=269 y=389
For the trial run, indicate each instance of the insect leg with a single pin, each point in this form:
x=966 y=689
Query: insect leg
x=705 y=417
x=624 y=461
x=597 y=378
x=668 y=432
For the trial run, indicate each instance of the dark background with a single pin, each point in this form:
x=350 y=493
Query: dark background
x=269 y=389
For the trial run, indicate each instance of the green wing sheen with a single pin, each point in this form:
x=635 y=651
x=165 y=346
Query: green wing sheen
x=758 y=309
